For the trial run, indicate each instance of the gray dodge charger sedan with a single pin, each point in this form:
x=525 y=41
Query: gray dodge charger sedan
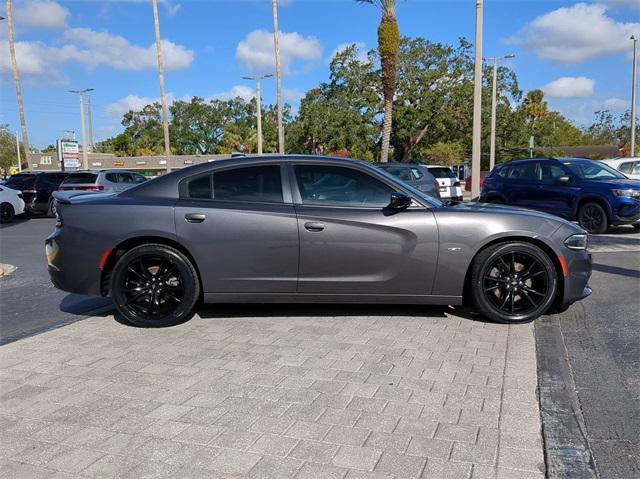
x=308 y=229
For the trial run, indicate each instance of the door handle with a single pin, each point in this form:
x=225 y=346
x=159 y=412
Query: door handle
x=314 y=227
x=195 y=217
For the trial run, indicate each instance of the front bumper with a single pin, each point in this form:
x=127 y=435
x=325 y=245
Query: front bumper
x=626 y=211
x=579 y=267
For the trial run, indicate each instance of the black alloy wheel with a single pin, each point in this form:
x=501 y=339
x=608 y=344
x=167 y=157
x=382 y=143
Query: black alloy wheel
x=155 y=285
x=514 y=282
x=593 y=218
x=7 y=213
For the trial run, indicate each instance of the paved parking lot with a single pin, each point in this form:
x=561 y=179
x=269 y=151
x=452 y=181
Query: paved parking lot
x=299 y=392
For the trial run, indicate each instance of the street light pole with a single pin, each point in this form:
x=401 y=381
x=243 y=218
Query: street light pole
x=477 y=106
x=163 y=98
x=276 y=45
x=85 y=158
x=633 y=95
x=492 y=146
x=258 y=107
x=90 y=122
x=16 y=80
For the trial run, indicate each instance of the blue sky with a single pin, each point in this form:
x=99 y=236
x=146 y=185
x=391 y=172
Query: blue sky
x=579 y=53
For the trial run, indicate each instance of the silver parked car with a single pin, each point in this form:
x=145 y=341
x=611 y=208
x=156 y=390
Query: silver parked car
x=308 y=229
x=414 y=175
x=104 y=180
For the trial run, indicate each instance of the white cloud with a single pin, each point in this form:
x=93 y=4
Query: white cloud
x=360 y=46
x=93 y=49
x=570 y=87
x=616 y=104
x=130 y=102
x=574 y=34
x=40 y=14
x=256 y=53
x=242 y=91
x=292 y=94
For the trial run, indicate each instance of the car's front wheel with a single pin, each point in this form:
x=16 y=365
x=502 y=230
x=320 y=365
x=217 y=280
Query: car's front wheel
x=7 y=213
x=593 y=218
x=154 y=285
x=513 y=282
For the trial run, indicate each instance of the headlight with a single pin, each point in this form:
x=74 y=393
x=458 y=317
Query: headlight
x=577 y=242
x=630 y=193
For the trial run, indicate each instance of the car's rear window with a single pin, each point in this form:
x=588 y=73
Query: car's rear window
x=442 y=172
x=78 y=178
x=20 y=181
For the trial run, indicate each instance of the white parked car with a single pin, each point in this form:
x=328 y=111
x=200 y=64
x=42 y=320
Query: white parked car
x=450 y=188
x=11 y=204
x=107 y=181
x=629 y=167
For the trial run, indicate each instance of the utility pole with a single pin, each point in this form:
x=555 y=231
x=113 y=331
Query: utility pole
x=258 y=107
x=90 y=123
x=163 y=98
x=276 y=45
x=633 y=95
x=477 y=107
x=85 y=158
x=16 y=80
x=492 y=149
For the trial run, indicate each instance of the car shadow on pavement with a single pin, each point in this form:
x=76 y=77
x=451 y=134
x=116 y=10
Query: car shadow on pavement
x=80 y=305
x=632 y=273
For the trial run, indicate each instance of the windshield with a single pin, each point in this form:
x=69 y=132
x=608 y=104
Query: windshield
x=442 y=172
x=592 y=170
x=423 y=196
x=78 y=178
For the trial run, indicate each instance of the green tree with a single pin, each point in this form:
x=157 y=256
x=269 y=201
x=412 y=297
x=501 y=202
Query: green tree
x=388 y=45
x=8 y=152
x=449 y=154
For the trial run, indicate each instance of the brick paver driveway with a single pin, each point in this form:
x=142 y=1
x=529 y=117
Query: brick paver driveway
x=311 y=393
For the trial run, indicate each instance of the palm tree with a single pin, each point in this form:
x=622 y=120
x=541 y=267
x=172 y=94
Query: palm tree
x=388 y=45
x=16 y=79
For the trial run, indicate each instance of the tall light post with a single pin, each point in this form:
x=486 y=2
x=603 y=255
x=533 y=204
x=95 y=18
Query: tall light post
x=477 y=106
x=633 y=95
x=16 y=80
x=85 y=158
x=90 y=142
x=257 y=79
x=492 y=148
x=276 y=46
x=163 y=98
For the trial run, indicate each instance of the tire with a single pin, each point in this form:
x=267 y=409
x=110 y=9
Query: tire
x=154 y=285
x=524 y=284
x=7 y=213
x=593 y=218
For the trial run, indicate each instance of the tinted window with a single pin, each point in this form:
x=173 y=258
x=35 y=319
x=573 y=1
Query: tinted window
x=18 y=182
x=442 y=172
x=51 y=179
x=519 y=172
x=200 y=188
x=592 y=170
x=113 y=177
x=636 y=168
x=139 y=179
x=549 y=173
x=338 y=186
x=402 y=173
x=253 y=183
x=77 y=178
x=125 y=178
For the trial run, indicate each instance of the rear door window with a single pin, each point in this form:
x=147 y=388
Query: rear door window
x=519 y=172
x=442 y=172
x=200 y=188
x=80 y=178
x=261 y=184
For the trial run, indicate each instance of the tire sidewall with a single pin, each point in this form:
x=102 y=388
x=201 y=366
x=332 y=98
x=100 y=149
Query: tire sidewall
x=605 y=221
x=480 y=269
x=7 y=207
x=187 y=271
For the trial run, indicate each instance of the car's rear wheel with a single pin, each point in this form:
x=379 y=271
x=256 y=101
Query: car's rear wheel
x=513 y=282
x=7 y=213
x=154 y=285
x=51 y=209
x=593 y=218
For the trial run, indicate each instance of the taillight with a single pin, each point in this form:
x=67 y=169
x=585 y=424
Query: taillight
x=30 y=191
x=92 y=188
x=457 y=183
x=20 y=195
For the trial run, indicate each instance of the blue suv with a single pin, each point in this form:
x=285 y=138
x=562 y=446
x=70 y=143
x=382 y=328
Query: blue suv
x=589 y=192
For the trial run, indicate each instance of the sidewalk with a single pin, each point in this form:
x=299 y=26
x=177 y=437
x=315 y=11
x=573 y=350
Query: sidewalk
x=343 y=393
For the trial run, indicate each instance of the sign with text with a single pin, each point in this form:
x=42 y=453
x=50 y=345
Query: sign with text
x=69 y=154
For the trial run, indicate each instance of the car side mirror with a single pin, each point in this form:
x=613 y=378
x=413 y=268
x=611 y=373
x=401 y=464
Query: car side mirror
x=399 y=201
x=563 y=180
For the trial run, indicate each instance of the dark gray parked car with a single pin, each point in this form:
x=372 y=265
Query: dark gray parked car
x=308 y=229
x=417 y=176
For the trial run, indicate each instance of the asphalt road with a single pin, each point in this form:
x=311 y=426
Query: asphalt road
x=29 y=304
x=588 y=357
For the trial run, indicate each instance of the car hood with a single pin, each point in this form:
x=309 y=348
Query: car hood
x=472 y=207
